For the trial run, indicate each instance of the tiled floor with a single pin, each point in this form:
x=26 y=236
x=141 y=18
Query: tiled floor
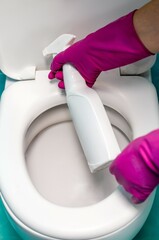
x=150 y=229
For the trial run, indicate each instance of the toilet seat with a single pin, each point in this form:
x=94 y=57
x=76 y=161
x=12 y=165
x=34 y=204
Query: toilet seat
x=17 y=190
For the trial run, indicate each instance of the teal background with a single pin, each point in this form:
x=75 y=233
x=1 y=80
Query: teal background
x=150 y=229
x=2 y=82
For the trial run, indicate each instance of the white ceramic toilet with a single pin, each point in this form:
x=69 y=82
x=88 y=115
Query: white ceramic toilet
x=46 y=187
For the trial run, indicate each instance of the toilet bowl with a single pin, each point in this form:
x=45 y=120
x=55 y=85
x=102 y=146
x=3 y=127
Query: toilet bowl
x=46 y=187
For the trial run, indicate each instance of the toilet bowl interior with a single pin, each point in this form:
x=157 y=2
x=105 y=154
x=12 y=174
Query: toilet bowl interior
x=56 y=163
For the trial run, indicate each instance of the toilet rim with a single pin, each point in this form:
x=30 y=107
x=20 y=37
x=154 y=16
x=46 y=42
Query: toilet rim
x=92 y=221
x=76 y=223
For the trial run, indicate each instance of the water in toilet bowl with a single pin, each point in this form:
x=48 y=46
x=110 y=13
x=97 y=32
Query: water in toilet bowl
x=57 y=165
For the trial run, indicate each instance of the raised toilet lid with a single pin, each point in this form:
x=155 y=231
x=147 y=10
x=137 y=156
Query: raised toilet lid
x=29 y=26
x=21 y=104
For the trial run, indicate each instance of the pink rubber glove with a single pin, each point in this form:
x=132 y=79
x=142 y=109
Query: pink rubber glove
x=137 y=167
x=112 y=46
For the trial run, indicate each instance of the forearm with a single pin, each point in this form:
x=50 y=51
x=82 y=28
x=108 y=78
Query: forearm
x=146 y=23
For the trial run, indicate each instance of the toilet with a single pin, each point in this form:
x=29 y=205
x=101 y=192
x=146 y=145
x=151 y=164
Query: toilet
x=47 y=189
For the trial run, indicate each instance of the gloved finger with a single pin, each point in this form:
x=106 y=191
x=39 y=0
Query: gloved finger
x=59 y=75
x=51 y=75
x=135 y=200
x=89 y=84
x=139 y=193
x=61 y=85
x=92 y=78
x=113 y=169
x=139 y=197
x=57 y=63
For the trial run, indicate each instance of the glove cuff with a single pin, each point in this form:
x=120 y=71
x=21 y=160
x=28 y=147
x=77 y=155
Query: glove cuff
x=117 y=44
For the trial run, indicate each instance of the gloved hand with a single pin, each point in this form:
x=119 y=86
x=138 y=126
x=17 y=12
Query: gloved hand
x=137 y=167
x=112 y=46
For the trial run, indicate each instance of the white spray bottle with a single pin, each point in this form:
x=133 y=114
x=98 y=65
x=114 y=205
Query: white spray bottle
x=88 y=114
